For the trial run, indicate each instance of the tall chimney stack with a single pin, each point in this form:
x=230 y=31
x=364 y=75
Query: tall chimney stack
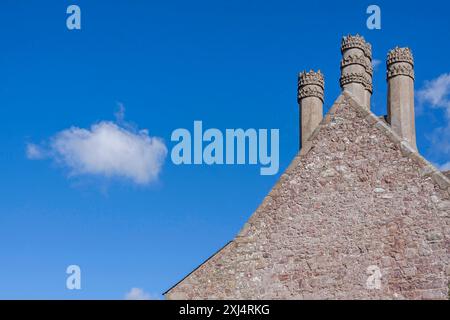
x=356 y=68
x=400 y=96
x=310 y=100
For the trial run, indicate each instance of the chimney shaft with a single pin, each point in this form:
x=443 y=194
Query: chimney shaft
x=356 y=68
x=310 y=100
x=400 y=96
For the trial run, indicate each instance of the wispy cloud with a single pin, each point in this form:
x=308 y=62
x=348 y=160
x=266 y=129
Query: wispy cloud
x=120 y=113
x=436 y=94
x=34 y=152
x=440 y=140
x=139 y=294
x=105 y=149
x=375 y=64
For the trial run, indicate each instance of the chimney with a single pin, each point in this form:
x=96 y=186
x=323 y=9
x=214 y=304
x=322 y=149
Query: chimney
x=310 y=100
x=400 y=96
x=356 y=68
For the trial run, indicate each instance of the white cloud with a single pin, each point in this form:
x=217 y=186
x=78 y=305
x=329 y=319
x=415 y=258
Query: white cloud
x=440 y=140
x=120 y=113
x=436 y=94
x=137 y=294
x=34 y=152
x=106 y=149
x=375 y=63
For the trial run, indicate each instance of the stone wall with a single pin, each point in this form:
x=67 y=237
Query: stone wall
x=356 y=197
x=447 y=174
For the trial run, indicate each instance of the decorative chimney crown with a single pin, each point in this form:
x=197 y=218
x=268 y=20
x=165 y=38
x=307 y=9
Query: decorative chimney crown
x=311 y=77
x=400 y=55
x=357 y=59
x=357 y=41
x=310 y=84
x=400 y=62
x=361 y=78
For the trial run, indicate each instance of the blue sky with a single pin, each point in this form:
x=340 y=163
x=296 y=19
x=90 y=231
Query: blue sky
x=231 y=64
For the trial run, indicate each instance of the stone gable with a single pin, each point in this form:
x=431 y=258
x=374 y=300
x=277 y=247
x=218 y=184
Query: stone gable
x=355 y=198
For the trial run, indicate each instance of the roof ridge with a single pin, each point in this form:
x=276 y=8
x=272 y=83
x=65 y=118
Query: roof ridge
x=285 y=175
x=428 y=169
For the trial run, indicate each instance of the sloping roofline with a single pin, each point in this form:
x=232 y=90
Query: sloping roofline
x=428 y=169
x=214 y=254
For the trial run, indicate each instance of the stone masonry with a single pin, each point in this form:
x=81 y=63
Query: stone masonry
x=356 y=198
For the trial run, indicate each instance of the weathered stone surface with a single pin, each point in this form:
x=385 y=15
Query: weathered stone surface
x=356 y=199
x=447 y=173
